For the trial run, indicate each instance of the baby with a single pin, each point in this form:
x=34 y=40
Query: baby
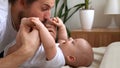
x=71 y=48
x=73 y=52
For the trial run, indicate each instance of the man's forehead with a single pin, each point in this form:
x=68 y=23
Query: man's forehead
x=47 y=2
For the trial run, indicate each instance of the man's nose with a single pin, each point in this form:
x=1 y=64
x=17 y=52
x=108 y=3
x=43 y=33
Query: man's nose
x=47 y=15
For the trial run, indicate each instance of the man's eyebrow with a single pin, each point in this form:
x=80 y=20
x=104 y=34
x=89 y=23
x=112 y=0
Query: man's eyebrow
x=48 y=5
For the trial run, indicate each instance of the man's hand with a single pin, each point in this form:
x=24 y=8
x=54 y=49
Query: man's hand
x=28 y=37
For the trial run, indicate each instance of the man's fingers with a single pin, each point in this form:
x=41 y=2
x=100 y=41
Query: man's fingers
x=26 y=24
x=24 y=28
x=27 y=21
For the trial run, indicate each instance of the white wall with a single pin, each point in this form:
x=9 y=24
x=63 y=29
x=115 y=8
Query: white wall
x=100 y=20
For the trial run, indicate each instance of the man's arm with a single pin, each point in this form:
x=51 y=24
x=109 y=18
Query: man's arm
x=16 y=58
x=46 y=38
x=28 y=42
x=25 y=36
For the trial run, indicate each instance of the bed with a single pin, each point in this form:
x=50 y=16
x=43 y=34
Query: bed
x=105 y=57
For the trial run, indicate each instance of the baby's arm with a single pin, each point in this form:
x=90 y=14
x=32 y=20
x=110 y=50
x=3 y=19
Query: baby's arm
x=46 y=39
x=62 y=33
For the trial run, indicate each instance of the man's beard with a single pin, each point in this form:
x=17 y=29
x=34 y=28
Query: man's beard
x=17 y=24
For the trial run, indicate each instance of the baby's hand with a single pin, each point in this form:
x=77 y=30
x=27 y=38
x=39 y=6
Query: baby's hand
x=38 y=24
x=58 y=22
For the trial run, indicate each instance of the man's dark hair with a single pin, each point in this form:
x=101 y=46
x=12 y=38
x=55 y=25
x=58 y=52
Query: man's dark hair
x=27 y=1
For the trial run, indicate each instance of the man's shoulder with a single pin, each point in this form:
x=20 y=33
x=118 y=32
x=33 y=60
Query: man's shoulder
x=4 y=4
x=3 y=9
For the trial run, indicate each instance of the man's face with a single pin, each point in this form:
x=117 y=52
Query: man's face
x=39 y=8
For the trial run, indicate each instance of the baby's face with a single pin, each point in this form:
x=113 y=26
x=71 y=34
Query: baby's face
x=71 y=46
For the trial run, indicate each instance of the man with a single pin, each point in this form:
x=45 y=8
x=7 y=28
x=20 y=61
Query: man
x=10 y=21
x=19 y=9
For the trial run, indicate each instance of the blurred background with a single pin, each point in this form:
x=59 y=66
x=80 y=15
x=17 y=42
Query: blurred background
x=101 y=20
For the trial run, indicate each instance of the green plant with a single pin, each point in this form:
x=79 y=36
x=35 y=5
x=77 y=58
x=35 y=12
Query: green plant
x=86 y=4
x=64 y=12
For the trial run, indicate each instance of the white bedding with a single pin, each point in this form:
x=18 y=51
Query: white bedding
x=111 y=57
x=105 y=57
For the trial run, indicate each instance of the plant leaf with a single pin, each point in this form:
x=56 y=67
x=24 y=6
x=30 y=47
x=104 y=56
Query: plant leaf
x=80 y=5
x=60 y=10
x=66 y=11
x=77 y=8
x=56 y=5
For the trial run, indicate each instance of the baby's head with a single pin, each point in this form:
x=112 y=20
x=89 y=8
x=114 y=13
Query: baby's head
x=77 y=52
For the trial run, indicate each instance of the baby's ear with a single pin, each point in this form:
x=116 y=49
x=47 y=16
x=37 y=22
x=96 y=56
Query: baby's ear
x=71 y=58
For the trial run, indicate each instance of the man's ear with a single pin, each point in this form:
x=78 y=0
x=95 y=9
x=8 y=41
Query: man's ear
x=71 y=58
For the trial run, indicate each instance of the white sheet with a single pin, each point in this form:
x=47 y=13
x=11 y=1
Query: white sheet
x=111 y=58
